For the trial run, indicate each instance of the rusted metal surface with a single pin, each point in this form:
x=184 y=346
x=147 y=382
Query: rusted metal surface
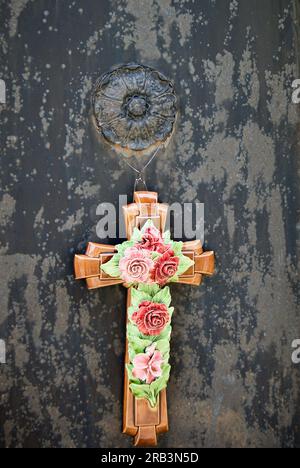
x=233 y=383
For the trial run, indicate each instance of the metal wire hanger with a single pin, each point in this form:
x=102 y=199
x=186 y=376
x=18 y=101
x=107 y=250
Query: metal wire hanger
x=141 y=172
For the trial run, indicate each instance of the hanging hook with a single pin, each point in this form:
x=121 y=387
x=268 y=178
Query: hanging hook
x=141 y=173
x=140 y=180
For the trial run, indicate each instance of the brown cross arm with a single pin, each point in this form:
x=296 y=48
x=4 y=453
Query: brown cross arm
x=88 y=266
x=204 y=263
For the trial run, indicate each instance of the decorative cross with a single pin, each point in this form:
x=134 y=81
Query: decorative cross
x=140 y=419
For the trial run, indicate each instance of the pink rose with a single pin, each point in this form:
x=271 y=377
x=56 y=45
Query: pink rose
x=136 y=265
x=151 y=318
x=147 y=367
x=165 y=268
x=151 y=239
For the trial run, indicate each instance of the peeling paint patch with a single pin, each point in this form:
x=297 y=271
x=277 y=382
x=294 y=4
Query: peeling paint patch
x=87 y=190
x=62 y=309
x=280 y=91
x=73 y=221
x=143 y=32
x=7 y=208
x=62 y=426
x=39 y=221
x=221 y=74
x=16 y=9
x=249 y=78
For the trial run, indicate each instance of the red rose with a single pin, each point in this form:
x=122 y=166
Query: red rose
x=163 y=248
x=151 y=239
x=165 y=268
x=151 y=318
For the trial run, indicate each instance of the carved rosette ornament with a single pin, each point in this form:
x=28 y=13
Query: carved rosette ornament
x=135 y=109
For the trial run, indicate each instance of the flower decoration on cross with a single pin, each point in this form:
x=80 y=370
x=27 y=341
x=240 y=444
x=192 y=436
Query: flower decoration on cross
x=149 y=257
x=147 y=263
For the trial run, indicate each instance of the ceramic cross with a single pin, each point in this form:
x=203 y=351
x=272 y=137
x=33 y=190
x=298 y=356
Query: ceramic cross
x=144 y=418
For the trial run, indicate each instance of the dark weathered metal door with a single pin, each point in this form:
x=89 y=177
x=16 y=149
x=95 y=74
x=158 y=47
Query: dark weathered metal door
x=233 y=63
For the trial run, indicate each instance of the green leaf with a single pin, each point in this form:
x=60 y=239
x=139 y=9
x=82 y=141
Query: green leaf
x=129 y=368
x=167 y=237
x=132 y=331
x=131 y=311
x=164 y=347
x=144 y=391
x=174 y=279
x=124 y=246
x=161 y=383
x=152 y=400
x=165 y=334
x=138 y=346
x=155 y=255
x=184 y=264
x=163 y=297
x=140 y=390
x=136 y=340
x=138 y=296
x=111 y=268
x=150 y=289
x=132 y=353
x=177 y=248
x=171 y=311
x=136 y=236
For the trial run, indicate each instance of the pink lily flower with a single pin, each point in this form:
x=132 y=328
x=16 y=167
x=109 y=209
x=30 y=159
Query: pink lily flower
x=147 y=367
